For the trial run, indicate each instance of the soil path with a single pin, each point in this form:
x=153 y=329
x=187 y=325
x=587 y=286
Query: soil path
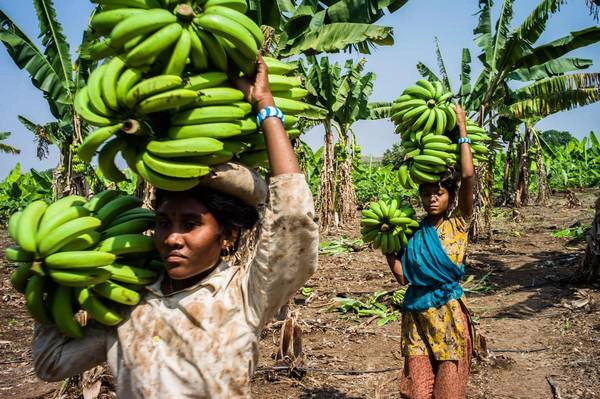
x=540 y=332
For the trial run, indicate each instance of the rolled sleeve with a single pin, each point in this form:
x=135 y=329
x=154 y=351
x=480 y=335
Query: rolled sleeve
x=56 y=357
x=286 y=254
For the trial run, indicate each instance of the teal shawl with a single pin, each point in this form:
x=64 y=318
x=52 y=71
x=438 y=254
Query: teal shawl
x=432 y=276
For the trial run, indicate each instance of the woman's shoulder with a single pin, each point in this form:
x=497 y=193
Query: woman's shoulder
x=457 y=221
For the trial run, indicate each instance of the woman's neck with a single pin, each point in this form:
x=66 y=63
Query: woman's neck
x=435 y=220
x=170 y=285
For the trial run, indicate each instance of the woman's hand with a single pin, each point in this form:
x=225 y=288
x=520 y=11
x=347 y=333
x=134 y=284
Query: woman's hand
x=256 y=89
x=396 y=268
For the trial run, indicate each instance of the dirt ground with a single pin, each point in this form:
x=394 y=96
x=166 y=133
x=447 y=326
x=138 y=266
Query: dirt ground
x=543 y=333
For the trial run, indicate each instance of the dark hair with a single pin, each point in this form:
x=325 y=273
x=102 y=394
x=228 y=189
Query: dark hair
x=227 y=210
x=449 y=181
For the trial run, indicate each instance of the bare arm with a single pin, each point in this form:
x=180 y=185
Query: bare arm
x=258 y=93
x=396 y=268
x=465 y=194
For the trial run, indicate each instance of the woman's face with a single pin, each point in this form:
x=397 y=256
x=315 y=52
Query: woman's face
x=188 y=237
x=435 y=199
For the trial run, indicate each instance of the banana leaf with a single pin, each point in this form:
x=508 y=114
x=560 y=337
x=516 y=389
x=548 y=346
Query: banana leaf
x=6 y=148
x=380 y=110
x=465 y=75
x=550 y=68
x=559 y=84
x=427 y=73
x=544 y=106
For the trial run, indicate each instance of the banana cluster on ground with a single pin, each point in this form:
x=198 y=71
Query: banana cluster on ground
x=388 y=225
x=163 y=85
x=426 y=121
x=81 y=254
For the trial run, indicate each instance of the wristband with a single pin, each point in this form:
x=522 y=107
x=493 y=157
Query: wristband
x=268 y=112
x=464 y=140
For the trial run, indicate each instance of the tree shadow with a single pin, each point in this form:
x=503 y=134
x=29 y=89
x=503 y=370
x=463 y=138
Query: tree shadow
x=326 y=393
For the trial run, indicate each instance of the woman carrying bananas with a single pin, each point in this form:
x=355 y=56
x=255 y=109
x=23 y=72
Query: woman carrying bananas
x=437 y=335
x=195 y=333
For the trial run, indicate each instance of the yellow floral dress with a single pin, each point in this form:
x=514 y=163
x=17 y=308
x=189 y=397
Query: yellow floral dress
x=439 y=332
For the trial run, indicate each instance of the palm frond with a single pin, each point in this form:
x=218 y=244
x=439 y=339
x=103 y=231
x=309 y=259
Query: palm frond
x=44 y=74
x=427 y=73
x=441 y=65
x=550 y=68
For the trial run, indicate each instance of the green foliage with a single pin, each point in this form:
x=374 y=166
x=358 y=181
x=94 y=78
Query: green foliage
x=382 y=305
x=373 y=181
x=17 y=190
x=557 y=138
x=393 y=156
x=342 y=245
x=6 y=148
x=576 y=233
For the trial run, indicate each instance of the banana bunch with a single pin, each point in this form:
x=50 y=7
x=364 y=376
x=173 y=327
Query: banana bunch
x=84 y=252
x=388 y=225
x=424 y=108
x=172 y=34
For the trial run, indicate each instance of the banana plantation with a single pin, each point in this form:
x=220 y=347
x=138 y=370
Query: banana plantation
x=153 y=97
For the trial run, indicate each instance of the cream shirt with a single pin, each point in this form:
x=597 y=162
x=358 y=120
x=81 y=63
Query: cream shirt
x=201 y=342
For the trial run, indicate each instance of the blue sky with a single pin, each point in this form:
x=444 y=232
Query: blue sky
x=415 y=27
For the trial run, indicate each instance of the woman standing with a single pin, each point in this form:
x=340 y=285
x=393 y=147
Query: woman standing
x=437 y=338
x=195 y=333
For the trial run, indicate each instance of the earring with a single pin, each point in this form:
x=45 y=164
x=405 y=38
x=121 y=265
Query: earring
x=226 y=250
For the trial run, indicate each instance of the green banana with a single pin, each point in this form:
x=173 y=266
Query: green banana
x=117 y=293
x=135 y=213
x=130 y=274
x=161 y=181
x=247 y=108
x=295 y=93
x=92 y=141
x=241 y=62
x=239 y=18
x=168 y=100
x=128 y=79
x=206 y=80
x=429 y=168
x=116 y=207
x=104 y=22
x=215 y=158
x=427 y=86
x=432 y=145
x=180 y=54
x=29 y=224
x=440 y=121
x=400 y=220
x=248 y=126
x=141 y=24
x=281 y=83
x=173 y=168
x=17 y=254
x=20 y=277
x=418 y=92
x=106 y=159
x=218 y=96
x=13 y=225
x=81 y=242
x=61 y=205
x=148 y=87
x=434 y=138
x=424 y=177
x=62 y=312
x=97 y=50
x=439 y=89
x=81 y=105
x=278 y=67
x=65 y=233
x=116 y=4
x=34 y=299
x=255 y=159
x=429 y=160
x=215 y=130
x=48 y=225
x=100 y=199
x=79 y=259
x=429 y=122
x=450 y=117
x=96 y=309
x=218 y=113
x=414 y=113
x=127 y=244
x=218 y=56
x=421 y=120
x=436 y=153
x=79 y=278
x=231 y=30
x=185 y=147
x=155 y=44
x=238 y=5
x=198 y=52
x=94 y=86
x=292 y=107
x=109 y=82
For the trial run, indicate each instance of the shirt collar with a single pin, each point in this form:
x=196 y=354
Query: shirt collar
x=215 y=280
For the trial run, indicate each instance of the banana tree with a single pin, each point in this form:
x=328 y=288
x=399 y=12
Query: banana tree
x=344 y=93
x=7 y=148
x=54 y=73
x=311 y=27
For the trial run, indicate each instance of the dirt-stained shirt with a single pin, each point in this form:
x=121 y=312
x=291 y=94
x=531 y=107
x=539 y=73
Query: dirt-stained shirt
x=201 y=342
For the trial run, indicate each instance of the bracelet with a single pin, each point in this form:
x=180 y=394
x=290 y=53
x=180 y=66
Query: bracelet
x=464 y=140
x=268 y=112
